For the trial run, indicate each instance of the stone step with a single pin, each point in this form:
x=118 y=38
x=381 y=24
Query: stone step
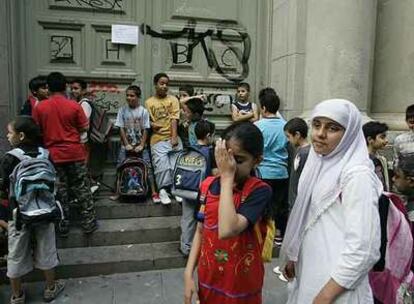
x=125 y=231
x=107 y=209
x=104 y=260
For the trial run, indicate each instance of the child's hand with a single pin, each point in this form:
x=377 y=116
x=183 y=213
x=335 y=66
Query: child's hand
x=128 y=147
x=289 y=270
x=155 y=126
x=225 y=159
x=189 y=290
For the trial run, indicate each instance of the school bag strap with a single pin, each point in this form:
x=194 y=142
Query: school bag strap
x=21 y=155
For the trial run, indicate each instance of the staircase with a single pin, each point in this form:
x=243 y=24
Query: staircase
x=130 y=238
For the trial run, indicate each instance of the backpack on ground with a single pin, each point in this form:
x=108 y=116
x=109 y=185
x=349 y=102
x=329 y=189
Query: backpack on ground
x=33 y=188
x=99 y=123
x=191 y=168
x=132 y=178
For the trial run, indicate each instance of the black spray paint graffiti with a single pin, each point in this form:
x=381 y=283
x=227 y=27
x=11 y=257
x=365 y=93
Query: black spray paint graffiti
x=106 y=102
x=61 y=48
x=104 y=5
x=112 y=50
x=217 y=100
x=183 y=53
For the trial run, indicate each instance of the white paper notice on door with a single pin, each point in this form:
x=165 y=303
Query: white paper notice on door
x=124 y=34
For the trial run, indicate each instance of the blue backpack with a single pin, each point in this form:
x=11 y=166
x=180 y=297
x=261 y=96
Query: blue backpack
x=191 y=168
x=33 y=188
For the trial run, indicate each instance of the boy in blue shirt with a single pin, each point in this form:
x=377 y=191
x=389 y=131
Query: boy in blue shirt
x=274 y=167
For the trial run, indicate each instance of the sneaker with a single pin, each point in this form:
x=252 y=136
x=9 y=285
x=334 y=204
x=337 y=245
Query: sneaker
x=278 y=241
x=277 y=271
x=156 y=198
x=51 y=294
x=94 y=189
x=178 y=199
x=165 y=199
x=282 y=278
x=19 y=300
x=114 y=197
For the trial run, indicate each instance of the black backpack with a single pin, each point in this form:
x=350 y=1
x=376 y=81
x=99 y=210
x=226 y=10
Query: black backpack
x=100 y=125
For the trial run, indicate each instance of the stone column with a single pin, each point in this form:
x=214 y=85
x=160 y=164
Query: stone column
x=393 y=88
x=339 y=50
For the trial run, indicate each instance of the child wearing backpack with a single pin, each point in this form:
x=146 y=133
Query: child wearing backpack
x=204 y=132
x=227 y=250
x=392 y=278
x=23 y=133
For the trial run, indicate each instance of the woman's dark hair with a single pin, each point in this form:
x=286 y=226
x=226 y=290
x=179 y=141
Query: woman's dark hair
x=27 y=125
x=248 y=135
x=159 y=76
x=56 y=82
x=296 y=125
x=189 y=89
x=136 y=89
x=203 y=128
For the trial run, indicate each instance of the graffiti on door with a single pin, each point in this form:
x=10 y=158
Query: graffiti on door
x=237 y=46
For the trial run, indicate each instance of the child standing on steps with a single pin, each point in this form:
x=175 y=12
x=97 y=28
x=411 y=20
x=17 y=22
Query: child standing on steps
x=243 y=109
x=23 y=133
x=164 y=111
x=226 y=250
x=204 y=132
x=133 y=123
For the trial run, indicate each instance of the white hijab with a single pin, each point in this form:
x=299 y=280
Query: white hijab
x=319 y=183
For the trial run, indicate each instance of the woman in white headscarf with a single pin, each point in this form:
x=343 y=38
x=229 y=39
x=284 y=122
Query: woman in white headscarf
x=333 y=234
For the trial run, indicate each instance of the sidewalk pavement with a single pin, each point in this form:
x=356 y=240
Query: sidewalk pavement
x=152 y=287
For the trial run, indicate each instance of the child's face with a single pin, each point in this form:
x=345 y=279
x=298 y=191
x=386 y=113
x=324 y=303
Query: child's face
x=404 y=184
x=242 y=94
x=13 y=137
x=76 y=91
x=326 y=135
x=42 y=93
x=380 y=141
x=293 y=139
x=161 y=87
x=245 y=162
x=132 y=99
x=410 y=123
x=188 y=115
x=183 y=94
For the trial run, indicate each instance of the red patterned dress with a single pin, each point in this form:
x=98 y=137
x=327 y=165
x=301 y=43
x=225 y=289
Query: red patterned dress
x=230 y=271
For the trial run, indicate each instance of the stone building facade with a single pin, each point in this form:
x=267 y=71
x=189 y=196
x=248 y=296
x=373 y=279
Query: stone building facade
x=362 y=50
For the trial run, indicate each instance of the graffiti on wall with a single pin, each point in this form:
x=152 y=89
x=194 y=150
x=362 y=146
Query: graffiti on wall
x=101 y=5
x=221 y=63
x=106 y=95
x=61 y=48
x=112 y=51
